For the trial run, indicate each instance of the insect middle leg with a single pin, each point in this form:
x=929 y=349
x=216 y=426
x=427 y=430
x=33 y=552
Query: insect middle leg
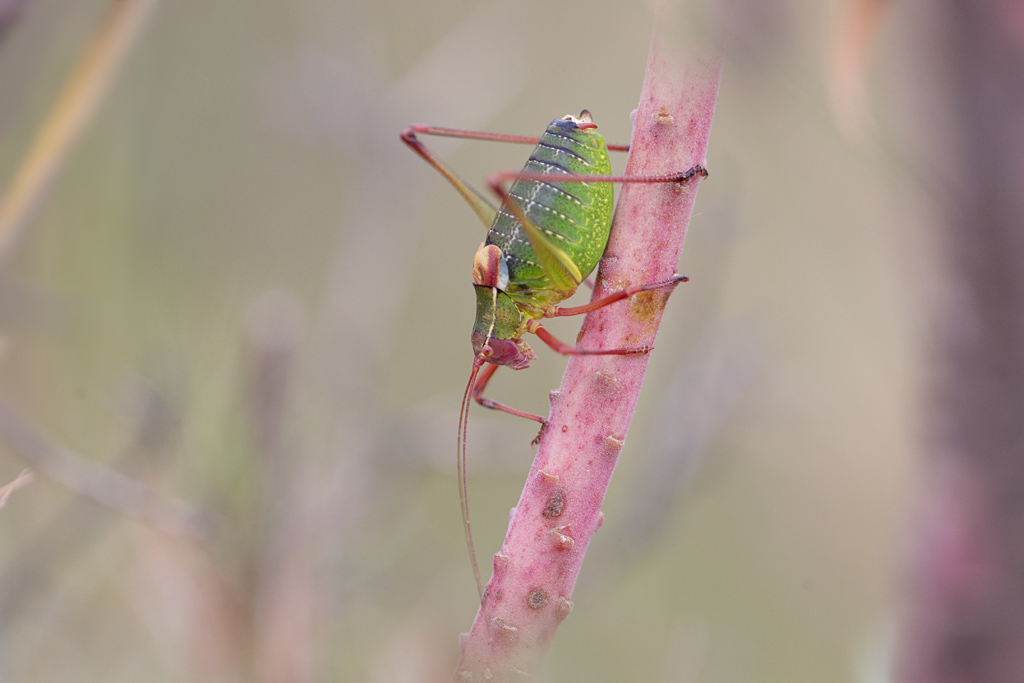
x=556 y=312
x=565 y=349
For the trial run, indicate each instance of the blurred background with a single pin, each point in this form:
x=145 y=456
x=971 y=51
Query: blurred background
x=247 y=297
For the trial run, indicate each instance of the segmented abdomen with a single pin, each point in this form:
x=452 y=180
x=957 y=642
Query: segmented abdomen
x=575 y=215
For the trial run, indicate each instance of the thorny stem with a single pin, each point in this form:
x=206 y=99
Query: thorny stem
x=530 y=592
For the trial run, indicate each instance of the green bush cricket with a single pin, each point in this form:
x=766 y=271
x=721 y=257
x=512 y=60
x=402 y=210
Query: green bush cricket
x=546 y=236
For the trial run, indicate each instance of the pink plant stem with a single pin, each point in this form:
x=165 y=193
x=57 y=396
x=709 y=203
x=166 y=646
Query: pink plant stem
x=530 y=591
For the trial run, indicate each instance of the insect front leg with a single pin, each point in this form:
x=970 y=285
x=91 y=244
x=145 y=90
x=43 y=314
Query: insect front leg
x=478 y=390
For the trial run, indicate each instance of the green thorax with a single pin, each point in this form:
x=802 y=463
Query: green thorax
x=575 y=216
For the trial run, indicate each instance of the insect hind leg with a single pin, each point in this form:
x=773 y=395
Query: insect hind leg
x=482 y=207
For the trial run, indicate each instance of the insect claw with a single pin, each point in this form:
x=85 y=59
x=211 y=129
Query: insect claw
x=540 y=434
x=696 y=170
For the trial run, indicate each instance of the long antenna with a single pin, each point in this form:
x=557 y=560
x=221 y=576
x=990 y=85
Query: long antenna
x=460 y=467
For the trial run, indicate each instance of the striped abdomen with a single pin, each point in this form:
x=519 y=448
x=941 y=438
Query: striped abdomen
x=575 y=215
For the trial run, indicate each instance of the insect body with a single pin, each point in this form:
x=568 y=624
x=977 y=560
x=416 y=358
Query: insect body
x=547 y=235
x=545 y=239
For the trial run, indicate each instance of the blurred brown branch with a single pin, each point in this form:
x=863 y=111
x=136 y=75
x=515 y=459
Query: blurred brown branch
x=857 y=29
x=965 y=621
x=10 y=11
x=72 y=111
x=7 y=489
x=76 y=527
x=105 y=486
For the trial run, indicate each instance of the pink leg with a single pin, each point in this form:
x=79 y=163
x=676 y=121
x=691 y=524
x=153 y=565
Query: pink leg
x=496 y=180
x=478 y=391
x=566 y=350
x=557 y=312
x=412 y=130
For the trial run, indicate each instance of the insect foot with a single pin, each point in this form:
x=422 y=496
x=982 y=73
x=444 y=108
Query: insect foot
x=696 y=170
x=540 y=434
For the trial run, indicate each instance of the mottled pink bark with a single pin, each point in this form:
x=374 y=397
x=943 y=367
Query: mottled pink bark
x=530 y=591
